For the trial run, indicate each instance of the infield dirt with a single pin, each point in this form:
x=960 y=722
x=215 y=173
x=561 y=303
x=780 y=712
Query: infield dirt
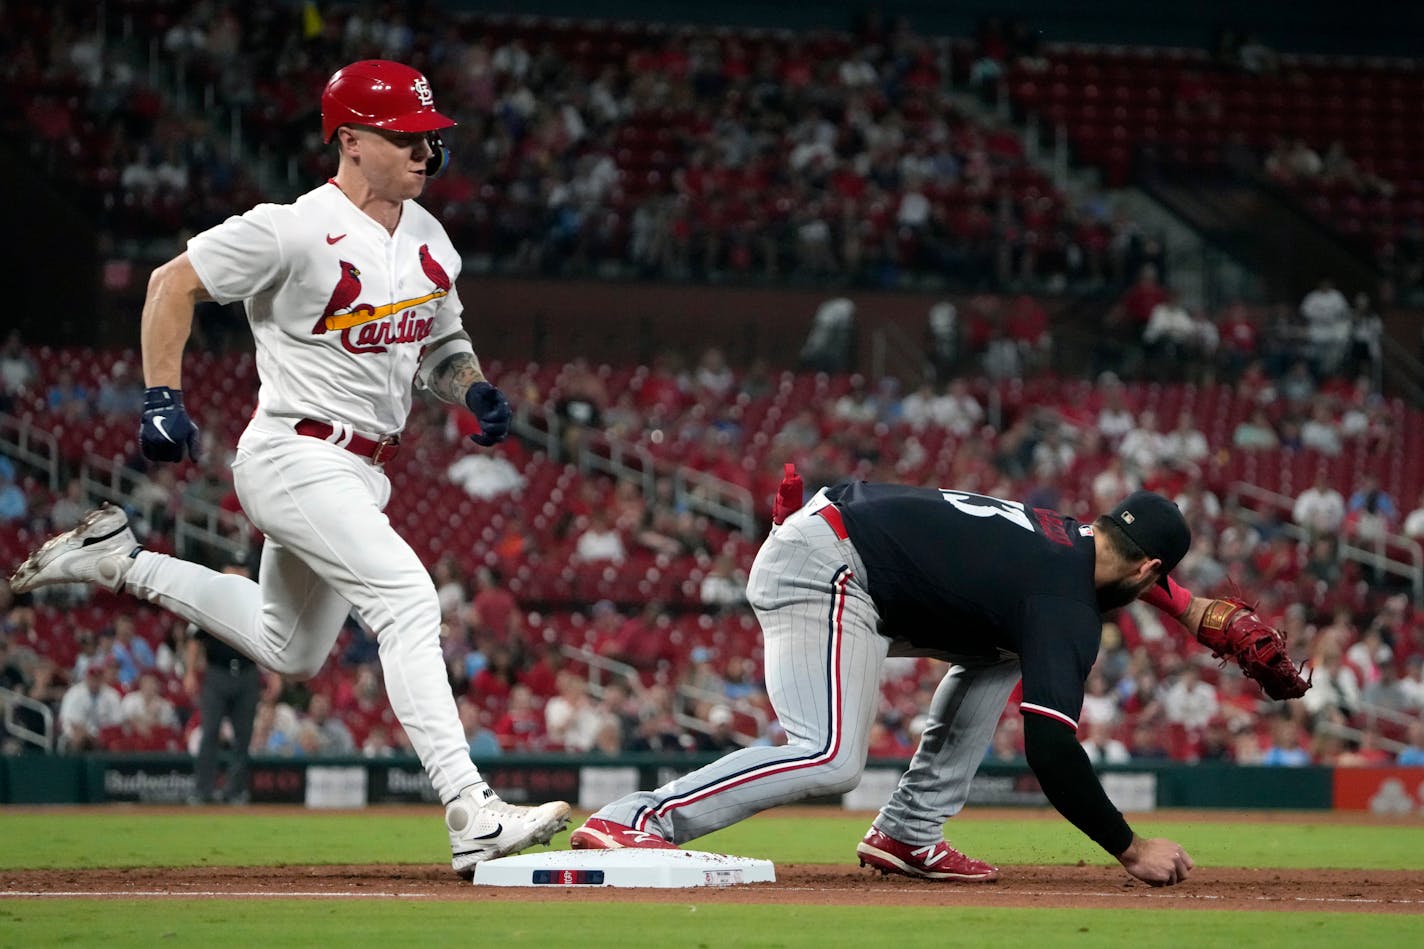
x=1087 y=885
x=1022 y=886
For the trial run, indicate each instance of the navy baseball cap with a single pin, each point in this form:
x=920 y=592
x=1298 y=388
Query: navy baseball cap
x=1156 y=525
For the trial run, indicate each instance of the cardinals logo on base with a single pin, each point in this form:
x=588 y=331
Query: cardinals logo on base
x=343 y=315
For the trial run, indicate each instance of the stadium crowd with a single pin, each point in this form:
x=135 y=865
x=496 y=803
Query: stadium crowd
x=586 y=664
x=699 y=152
x=584 y=615
x=583 y=147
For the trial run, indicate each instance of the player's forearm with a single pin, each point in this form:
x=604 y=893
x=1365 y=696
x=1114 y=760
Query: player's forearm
x=453 y=368
x=1177 y=602
x=1068 y=781
x=167 y=321
x=1192 y=617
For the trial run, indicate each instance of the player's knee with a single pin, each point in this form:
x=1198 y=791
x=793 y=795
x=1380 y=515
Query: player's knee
x=299 y=668
x=838 y=777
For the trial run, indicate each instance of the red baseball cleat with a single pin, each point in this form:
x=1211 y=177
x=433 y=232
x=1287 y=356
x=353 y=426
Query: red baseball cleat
x=938 y=861
x=600 y=834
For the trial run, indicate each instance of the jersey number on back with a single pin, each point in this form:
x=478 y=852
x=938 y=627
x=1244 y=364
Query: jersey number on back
x=979 y=505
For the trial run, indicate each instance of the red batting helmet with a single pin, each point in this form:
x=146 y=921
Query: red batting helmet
x=381 y=94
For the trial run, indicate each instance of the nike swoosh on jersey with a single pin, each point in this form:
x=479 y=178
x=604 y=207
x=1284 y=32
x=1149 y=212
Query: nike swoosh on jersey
x=333 y=240
x=158 y=424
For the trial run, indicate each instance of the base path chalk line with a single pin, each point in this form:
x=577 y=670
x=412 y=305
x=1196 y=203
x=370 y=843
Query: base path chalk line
x=368 y=894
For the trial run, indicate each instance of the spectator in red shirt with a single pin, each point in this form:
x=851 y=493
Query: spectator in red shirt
x=1280 y=561
x=1237 y=705
x=1027 y=325
x=659 y=393
x=363 y=704
x=642 y=641
x=491 y=686
x=541 y=676
x=492 y=609
x=1142 y=298
x=1240 y=340
x=521 y=727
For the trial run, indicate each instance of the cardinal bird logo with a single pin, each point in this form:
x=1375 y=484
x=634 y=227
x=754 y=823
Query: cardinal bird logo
x=342 y=313
x=433 y=270
x=348 y=288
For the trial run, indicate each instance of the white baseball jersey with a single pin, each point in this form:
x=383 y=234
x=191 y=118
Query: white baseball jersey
x=340 y=309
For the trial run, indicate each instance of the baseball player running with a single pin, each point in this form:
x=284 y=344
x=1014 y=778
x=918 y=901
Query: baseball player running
x=1001 y=590
x=350 y=292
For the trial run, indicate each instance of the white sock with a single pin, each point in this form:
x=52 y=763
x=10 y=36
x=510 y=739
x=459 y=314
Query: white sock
x=480 y=792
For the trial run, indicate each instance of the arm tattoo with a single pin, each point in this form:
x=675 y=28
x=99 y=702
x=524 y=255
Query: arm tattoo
x=456 y=373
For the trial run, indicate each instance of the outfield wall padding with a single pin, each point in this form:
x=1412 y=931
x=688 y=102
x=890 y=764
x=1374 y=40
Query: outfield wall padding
x=589 y=781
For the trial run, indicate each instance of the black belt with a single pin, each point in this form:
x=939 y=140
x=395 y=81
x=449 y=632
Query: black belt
x=378 y=450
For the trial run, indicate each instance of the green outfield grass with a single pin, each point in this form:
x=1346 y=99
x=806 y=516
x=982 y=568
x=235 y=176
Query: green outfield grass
x=498 y=925
x=131 y=837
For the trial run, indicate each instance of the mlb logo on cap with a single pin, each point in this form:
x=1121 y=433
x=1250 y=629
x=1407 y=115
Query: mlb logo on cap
x=1156 y=525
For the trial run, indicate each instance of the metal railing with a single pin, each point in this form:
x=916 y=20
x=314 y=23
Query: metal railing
x=624 y=461
x=12 y=701
x=1377 y=557
x=1358 y=735
x=39 y=449
x=197 y=525
x=600 y=666
x=601 y=670
x=692 y=695
x=894 y=353
x=1370 y=715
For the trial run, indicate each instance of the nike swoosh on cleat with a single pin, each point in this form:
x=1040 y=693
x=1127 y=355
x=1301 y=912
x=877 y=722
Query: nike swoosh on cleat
x=100 y=540
x=498 y=829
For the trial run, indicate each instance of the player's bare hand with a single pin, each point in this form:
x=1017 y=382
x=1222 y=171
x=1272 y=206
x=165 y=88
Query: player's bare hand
x=191 y=683
x=1157 y=861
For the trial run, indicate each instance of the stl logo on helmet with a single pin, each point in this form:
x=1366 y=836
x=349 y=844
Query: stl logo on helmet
x=422 y=91
x=343 y=314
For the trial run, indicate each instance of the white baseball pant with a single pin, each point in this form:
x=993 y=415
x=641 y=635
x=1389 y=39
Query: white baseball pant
x=329 y=547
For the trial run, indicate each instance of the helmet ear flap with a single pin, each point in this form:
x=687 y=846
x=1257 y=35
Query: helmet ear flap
x=439 y=155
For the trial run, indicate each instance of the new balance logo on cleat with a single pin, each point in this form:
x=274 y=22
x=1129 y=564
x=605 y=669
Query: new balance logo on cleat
x=937 y=861
x=600 y=834
x=930 y=855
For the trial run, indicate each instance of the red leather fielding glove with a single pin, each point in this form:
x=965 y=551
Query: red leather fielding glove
x=1232 y=629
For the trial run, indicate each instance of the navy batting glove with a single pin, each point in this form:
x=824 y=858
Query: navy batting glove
x=492 y=409
x=166 y=428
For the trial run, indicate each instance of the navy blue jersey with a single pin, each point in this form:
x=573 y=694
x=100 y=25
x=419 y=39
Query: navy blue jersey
x=976 y=576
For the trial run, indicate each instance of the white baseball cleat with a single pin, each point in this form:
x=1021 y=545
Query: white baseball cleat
x=98 y=550
x=489 y=828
